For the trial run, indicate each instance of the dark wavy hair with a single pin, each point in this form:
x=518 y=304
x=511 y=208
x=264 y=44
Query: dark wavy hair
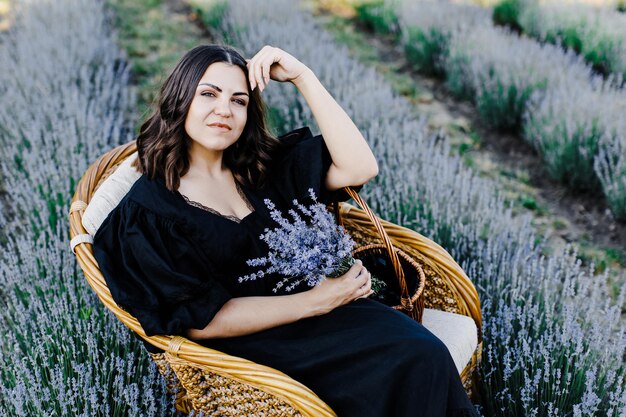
x=163 y=144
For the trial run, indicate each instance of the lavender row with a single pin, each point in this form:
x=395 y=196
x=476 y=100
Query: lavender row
x=596 y=33
x=572 y=117
x=533 y=320
x=63 y=99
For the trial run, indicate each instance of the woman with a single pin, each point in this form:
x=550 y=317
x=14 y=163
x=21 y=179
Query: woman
x=172 y=249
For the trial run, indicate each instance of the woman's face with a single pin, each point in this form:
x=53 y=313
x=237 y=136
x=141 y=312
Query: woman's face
x=221 y=97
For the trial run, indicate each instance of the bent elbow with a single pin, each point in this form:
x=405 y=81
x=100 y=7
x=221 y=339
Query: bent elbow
x=375 y=171
x=195 y=334
x=337 y=178
x=371 y=174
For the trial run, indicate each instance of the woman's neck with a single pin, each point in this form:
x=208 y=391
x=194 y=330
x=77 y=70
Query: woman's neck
x=207 y=164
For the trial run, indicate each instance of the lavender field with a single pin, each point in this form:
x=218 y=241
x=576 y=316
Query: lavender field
x=554 y=336
x=63 y=101
x=570 y=114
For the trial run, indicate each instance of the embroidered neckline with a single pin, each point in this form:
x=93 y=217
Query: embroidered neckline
x=227 y=216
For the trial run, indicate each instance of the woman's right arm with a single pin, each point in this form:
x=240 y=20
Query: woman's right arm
x=245 y=315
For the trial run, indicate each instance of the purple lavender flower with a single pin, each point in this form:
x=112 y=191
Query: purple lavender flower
x=309 y=249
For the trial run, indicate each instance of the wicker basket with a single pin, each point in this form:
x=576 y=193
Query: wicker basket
x=218 y=384
x=377 y=260
x=390 y=264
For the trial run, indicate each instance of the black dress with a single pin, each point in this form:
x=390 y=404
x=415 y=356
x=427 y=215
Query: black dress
x=173 y=263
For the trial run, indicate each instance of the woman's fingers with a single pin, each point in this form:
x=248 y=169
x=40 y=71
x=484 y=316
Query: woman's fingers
x=358 y=281
x=363 y=282
x=366 y=288
x=368 y=282
x=359 y=272
x=259 y=67
x=265 y=69
x=252 y=64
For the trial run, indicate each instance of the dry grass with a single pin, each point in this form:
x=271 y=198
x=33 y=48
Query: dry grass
x=5 y=15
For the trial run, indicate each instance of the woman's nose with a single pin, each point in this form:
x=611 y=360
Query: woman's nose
x=222 y=107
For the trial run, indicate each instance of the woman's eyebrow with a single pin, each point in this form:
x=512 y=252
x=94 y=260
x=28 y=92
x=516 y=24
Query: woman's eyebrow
x=238 y=93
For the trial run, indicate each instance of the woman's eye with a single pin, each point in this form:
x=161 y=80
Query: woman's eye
x=206 y=94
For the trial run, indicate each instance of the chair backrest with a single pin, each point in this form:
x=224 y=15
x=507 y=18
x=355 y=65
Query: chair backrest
x=109 y=193
x=86 y=190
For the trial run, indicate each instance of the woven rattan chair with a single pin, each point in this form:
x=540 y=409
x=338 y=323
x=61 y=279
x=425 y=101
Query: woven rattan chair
x=207 y=380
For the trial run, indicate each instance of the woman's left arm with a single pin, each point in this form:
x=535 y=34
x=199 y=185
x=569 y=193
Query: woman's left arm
x=353 y=160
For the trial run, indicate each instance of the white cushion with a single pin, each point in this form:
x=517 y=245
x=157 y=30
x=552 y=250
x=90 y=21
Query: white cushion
x=109 y=194
x=457 y=332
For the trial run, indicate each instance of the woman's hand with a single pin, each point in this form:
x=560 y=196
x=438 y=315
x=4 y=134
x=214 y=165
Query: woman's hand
x=274 y=63
x=334 y=292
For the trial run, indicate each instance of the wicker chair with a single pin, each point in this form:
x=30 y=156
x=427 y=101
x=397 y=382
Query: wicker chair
x=224 y=385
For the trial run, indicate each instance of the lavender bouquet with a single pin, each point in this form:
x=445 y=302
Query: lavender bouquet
x=305 y=251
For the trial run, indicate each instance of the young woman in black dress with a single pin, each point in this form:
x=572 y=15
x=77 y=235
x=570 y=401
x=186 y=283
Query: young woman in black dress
x=171 y=251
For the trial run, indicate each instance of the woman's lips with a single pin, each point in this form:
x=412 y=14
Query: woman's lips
x=222 y=128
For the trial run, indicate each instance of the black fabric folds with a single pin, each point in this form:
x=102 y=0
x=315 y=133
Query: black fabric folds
x=155 y=272
x=304 y=165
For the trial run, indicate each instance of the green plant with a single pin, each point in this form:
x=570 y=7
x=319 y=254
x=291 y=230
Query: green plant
x=602 y=52
x=456 y=80
x=426 y=50
x=506 y=13
x=568 y=36
x=529 y=202
x=572 y=158
x=502 y=104
x=378 y=16
x=211 y=13
x=616 y=255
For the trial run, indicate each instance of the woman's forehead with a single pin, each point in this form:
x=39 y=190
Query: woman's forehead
x=224 y=76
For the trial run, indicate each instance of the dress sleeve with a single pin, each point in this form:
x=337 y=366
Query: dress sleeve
x=304 y=164
x=155 y=272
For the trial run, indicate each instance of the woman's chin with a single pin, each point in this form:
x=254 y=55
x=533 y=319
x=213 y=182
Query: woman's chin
x=215 y=144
